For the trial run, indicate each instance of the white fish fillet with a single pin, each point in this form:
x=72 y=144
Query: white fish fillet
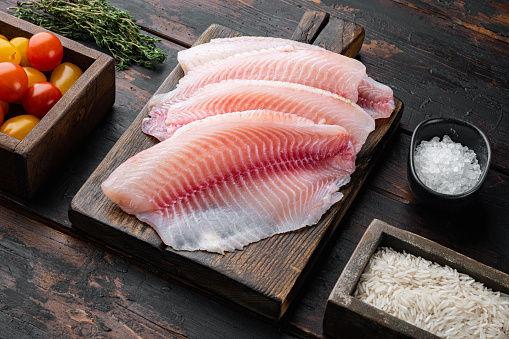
x=223 y=182
x=242 y=95
x=316 y=68
x=222 y=48
x=376 y=98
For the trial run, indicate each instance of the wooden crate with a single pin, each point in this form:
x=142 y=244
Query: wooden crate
x=346 y=316
x=25 y=164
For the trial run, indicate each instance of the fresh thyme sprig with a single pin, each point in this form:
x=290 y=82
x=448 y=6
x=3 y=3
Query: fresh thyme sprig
x=99 y=21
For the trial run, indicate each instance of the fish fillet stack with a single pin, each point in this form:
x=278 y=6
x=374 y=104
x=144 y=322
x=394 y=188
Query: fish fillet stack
x=257 y=139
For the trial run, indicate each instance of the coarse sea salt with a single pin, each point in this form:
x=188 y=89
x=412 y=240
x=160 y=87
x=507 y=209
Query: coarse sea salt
x=446 y=166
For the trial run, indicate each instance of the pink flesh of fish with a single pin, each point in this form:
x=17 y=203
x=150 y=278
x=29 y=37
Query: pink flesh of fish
x=221 y=183
x=242 y=95
x=376 y=98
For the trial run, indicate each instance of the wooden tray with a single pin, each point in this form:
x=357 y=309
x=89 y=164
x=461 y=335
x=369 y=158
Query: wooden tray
x=25 y=164
x=347 y=314
x=265 y=276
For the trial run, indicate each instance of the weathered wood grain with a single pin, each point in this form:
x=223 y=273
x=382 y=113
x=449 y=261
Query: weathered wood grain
x=341 y=36
x=490 y=19
x=264 y=276
x=56 y=286
x=311 y=24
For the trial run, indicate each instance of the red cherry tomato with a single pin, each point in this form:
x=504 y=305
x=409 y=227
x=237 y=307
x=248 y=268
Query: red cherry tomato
x=44 y=51
x=40 y=98
x=13 y=81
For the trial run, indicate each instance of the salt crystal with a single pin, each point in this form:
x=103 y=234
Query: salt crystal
x=445 y=166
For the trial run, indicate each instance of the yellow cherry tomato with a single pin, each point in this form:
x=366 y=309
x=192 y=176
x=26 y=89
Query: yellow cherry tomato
x=65 y=75
x=34 y=76
x=9 y=53
x=5 y=107
x=19 y=126
x=21 y=44
x=2 y=37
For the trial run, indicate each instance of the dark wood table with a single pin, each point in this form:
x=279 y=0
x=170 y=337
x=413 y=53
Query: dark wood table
x=445 y=59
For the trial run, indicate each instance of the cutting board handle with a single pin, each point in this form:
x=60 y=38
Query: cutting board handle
x=334 y=34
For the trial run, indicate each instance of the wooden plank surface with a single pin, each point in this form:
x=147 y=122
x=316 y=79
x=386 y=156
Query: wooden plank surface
x=264 y=276
x=83 y=290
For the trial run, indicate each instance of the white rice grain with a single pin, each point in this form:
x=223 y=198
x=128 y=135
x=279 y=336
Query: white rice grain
x=438 y=299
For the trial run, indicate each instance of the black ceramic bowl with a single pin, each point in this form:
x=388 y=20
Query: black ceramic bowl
x=460 y=132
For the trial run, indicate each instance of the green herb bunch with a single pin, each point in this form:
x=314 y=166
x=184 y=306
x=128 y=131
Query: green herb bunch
x=99 y=21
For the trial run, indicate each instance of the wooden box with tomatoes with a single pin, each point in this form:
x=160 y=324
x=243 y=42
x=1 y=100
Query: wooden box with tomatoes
x=25 y=164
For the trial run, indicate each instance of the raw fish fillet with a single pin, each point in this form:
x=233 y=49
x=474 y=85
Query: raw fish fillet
x=222 y=48
x=242 y=95
x=376 y=98
x=316 y=68
x=223 y=182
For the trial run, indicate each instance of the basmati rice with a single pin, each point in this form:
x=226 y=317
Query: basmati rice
x=435 y=298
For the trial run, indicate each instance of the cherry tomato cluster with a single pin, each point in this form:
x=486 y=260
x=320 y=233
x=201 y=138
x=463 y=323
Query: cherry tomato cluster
x=23 y=64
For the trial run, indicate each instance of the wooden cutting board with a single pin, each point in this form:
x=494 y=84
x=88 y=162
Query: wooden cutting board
x=265 y=276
